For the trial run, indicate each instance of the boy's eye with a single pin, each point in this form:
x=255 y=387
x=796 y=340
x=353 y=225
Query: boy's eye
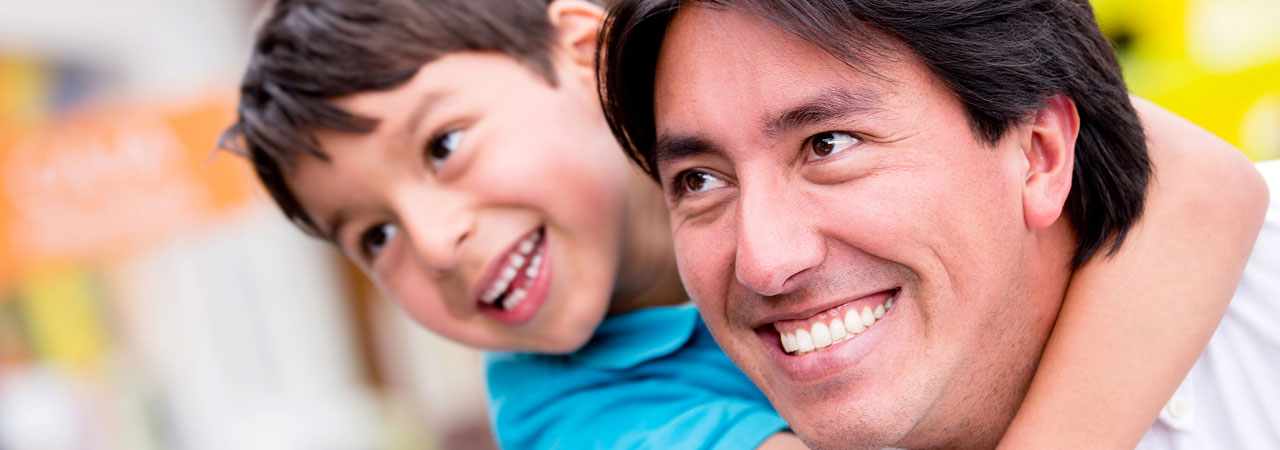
x=693 y=182
x=374 y=239
x=825 y=144
x=440 y=147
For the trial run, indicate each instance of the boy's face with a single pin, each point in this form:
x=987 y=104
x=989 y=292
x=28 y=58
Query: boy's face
x=487 y=203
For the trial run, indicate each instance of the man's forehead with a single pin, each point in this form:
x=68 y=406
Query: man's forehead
x=731 y=35
x=779 y=79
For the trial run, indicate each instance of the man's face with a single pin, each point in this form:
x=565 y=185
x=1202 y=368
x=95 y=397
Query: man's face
x=489 y=204
x=803 y=192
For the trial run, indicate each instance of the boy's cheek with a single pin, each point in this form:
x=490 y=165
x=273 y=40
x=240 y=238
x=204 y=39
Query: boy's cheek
x=399 y=282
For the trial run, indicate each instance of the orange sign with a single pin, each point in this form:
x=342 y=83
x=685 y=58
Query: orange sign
x=110 y=179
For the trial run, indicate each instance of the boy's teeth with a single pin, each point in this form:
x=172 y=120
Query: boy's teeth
x=522 y=261
x=534 y=265
x=491 y=295
x=514 y=299
x=822 y=334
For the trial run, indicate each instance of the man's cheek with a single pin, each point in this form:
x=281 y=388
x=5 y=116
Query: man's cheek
x=702 y=267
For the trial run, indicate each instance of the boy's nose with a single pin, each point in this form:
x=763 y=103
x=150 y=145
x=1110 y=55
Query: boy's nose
x=438 y=225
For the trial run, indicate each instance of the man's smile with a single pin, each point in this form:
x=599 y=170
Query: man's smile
x=827 y=328
x=809 y=346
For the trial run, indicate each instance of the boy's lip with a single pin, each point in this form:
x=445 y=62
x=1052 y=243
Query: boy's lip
x=537 y=287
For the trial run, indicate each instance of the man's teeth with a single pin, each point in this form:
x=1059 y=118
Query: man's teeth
x=838 y=332
x=822 y=334
x=804 y=342
x=523 y=260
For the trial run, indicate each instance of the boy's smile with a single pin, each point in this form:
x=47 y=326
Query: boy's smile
x=495 y=208
x=517 y=282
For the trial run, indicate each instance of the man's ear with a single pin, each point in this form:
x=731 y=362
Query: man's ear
x=577 y=24
x=1050 y=155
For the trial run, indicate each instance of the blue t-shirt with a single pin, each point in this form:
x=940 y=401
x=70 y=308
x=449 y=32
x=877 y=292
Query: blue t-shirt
x=652 y=378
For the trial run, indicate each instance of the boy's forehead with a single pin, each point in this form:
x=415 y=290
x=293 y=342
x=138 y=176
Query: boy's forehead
x=407 y=102
x=478 y=78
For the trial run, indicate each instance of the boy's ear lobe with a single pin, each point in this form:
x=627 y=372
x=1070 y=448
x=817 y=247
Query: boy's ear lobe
x=577 y=24
x=1049 y=148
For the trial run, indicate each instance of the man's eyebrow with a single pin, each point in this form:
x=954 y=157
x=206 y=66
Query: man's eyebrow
x=829 y=107
x=675 y=147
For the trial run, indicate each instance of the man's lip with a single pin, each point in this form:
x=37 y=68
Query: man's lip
x=813 y=310
x=840 y=358
x=495 y=267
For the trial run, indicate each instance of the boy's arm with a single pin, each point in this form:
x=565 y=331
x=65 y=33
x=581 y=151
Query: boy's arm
x=782 y=441
x=1133 y=324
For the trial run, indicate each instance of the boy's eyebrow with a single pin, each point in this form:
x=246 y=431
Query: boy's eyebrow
x=419 y=111
x=335 y=222
x=409 y=128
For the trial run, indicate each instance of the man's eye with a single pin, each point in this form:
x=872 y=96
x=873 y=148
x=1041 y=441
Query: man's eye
x=693 y=182
x=373 y=240
x=441 y=146
x=828 y=143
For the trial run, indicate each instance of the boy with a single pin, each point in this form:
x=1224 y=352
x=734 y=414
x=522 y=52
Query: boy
x=455 y=150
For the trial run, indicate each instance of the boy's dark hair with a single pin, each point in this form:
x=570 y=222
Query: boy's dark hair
x=309 y=52
x=1002 y=58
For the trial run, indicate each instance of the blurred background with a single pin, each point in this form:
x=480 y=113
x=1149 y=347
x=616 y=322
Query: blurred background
x=151 y=297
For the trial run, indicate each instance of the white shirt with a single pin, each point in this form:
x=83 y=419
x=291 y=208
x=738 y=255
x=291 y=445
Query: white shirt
x=1231 y=397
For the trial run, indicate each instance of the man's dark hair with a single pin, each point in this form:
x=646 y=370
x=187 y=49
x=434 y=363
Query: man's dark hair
x=309 y=52
x=1002 y=58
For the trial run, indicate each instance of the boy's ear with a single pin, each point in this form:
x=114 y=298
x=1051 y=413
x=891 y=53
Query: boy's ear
x=577 y=24
x=1049 y=149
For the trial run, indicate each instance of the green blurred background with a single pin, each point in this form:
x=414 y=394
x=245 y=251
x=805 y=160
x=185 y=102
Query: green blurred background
x=151 y=297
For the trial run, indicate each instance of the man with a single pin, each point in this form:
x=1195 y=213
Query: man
x=878 y=205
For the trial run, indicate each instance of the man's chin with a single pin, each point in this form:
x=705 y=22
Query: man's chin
x=846 y=420
x=859 y=393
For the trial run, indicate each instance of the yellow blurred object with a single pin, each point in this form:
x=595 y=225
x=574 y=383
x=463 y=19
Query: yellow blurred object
x=24 y=85
x=1260 y=127
x=64 y=318
x=1215 y=63
x=1230 y=36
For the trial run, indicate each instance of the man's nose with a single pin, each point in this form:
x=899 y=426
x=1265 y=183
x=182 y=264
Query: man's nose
x=777 y=241
x=438 y=223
